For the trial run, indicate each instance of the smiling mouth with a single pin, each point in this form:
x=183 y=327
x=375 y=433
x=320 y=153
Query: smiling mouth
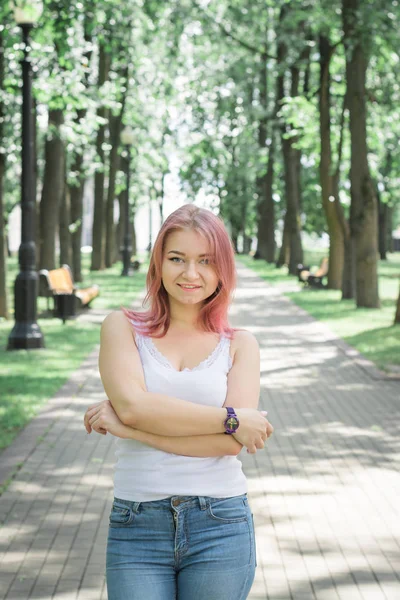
x=189 y=287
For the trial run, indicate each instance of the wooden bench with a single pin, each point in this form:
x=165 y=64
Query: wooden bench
x=135 y=264
x=59 y=285
x=313 y=278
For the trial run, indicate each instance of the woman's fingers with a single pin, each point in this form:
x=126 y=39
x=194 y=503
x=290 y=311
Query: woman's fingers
x=90 y=411
x=97 y=424
x=86 y=423
x=95 y=413
x=92 y=418
x=269 y=430
x=96 y=417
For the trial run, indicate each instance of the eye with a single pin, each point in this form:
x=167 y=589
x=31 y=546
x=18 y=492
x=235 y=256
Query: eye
x=175 y=258
x=206 y=261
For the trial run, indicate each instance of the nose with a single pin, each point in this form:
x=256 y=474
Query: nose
x=191 y=271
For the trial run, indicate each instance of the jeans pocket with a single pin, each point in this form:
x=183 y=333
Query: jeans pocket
x=228 y=510
x=120 y=515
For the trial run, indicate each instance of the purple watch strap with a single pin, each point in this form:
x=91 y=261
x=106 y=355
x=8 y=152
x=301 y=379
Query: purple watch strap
x=231 y=413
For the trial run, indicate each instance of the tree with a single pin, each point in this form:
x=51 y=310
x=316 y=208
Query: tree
x=397 y=316
x=329 y=191
x=3 y=241
x=363 y=211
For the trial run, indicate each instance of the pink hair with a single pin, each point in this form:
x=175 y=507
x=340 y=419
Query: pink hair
x=213 y=316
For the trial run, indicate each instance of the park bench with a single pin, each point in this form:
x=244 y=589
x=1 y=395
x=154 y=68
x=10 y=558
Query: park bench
x=313 y=278
x=59 y=285
x=135 y=264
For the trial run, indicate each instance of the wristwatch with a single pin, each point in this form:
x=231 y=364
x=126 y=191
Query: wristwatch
x=231 y=422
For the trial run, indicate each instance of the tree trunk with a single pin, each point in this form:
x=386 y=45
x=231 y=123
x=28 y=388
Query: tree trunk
x=246 y=243
x=99 y=209
x=120 y=231
x=292 y=216
x=64 y=232
x=397 y=316
x=133 y=233
x=382 y=226
x=389 y=228
x=76 y=191
x=3 y=242
x=115 y=128
x=3 y=245
x=292 y=222
x=234 y=237
x=162 y=197
x=348 y=273
x=291 y=252
x=336 y=237
x=363 y=209
x=53 y=188
x=348 y=276
x=115 y=131
x=76 y=200
x=36 y=212
x=122 y=198
x=265 y=207
x=266 y=244
x=293 y=188
x=284 y=253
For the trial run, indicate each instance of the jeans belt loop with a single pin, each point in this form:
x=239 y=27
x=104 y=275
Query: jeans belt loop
x=203 y=502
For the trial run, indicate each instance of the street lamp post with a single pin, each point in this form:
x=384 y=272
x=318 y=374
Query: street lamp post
x=26 y=333
x=127 y=139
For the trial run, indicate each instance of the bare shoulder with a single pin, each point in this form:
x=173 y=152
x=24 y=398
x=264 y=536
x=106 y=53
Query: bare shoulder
x=244 y=341
x=115 y=319
x=116 y=323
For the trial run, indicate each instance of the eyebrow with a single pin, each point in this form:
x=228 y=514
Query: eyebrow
x=183 y=254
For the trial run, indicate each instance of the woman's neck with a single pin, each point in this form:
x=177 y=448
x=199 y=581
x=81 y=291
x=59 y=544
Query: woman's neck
x=184 y=317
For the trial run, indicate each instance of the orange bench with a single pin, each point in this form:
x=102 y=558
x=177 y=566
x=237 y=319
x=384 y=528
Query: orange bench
x=313 y=278
x=59 y=285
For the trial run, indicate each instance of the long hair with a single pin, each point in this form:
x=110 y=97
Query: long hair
x=213 y=315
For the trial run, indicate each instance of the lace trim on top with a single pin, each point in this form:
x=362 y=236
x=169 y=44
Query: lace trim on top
x=224 y=343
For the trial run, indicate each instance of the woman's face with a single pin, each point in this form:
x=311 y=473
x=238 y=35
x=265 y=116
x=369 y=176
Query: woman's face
x=188 y=271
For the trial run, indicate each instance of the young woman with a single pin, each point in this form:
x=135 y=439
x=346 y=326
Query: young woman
x=183 y=390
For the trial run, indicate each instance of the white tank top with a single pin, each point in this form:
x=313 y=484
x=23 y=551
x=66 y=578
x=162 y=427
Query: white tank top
x=143 y=473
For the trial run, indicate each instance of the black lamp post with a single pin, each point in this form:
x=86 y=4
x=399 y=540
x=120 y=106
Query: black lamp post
x=127 y=139
x=26 y=333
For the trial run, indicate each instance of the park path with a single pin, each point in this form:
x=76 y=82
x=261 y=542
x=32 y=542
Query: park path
x=325 y=493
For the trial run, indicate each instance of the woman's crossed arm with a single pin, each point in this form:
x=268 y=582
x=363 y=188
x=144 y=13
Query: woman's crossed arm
x=137 y=414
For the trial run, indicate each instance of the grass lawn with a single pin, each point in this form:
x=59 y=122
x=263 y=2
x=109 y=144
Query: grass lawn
x=370 y=331
x=29 y=378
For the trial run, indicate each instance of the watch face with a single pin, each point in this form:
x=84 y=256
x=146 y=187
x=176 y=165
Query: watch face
x=232 y=423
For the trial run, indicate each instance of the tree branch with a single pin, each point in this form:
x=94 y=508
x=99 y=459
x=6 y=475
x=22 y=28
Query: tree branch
x=230 y=35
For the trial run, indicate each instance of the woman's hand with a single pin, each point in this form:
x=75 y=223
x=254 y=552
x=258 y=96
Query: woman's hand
x=254 y=429
x=102 y=418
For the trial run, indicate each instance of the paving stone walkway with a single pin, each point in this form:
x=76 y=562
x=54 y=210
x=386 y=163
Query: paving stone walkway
x=325 y=493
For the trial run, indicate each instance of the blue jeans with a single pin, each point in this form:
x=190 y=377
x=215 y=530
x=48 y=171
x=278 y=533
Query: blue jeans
x=183 y=547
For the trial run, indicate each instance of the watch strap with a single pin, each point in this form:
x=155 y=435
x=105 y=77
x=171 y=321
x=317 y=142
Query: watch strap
x=230 y=414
